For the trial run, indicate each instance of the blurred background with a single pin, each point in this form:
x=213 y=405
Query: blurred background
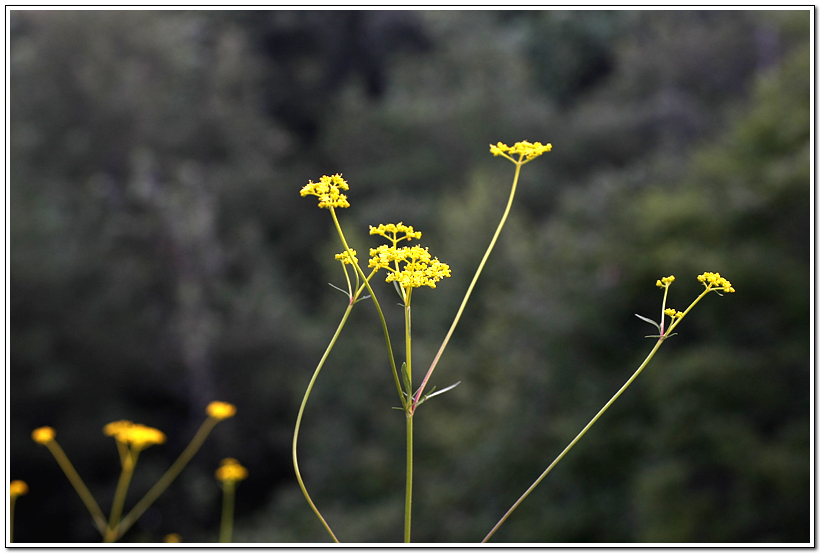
x=161 y=257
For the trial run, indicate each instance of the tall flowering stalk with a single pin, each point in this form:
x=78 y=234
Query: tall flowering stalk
x=712 y=282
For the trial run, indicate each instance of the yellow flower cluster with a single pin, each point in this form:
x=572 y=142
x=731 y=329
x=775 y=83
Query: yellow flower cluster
x=221 y=410
x=344 y=257
x=43 y=435
x=327 y=189
x=665 y=281
x=674 y=314
x=420 y=268
x=231 y=471
x=526 y=150
x=714 y=281
x=18 y=488
x=393 y=230
x=173 y=538
x=138 y=435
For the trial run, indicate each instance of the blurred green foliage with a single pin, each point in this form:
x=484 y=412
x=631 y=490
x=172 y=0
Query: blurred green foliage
x=161 y=257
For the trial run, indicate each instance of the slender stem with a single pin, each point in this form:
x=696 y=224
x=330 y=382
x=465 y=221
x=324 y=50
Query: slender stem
x=12 y=501
x=79 y=485
x=408 y=493
x=378 y=308
x=578 y=437
x=167 y=478
x=129 y=461
x=301 y=412
x=408 y=490
x=518 y=165
x=228 y=496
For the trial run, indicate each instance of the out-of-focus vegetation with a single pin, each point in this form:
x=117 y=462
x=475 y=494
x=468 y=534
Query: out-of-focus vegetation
x=161 y=257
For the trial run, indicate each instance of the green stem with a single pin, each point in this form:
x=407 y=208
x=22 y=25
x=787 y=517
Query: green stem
x=228 y=496
x=408 y=493
x=79 y=485
x=12 y=501
x=129 y=462
x=417 y=397
x=578 y=437
x=378 y=309
x=301 y=412
x=167 y=478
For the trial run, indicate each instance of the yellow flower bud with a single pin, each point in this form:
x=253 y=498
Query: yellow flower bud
x=221 y=410
x=18 y=488
x=43 y=435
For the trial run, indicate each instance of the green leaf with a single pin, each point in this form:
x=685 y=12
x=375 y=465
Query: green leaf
x=408 y=385
x=650 y=321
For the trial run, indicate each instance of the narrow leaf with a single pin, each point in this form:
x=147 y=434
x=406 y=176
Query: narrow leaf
x=650 y=321
x=447 y=389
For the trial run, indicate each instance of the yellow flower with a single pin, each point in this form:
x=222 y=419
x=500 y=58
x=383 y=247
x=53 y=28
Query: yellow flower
x=344 y=257
x=231 y=471
x=221 y=410
x=138 y=435
x=118 y=429
x=327 y=189
x=714 y=281
x=141 y=436
x=674 y=314
x=18 y=488
x=395 y=229
x=419 y=269
x=43 y=435
x=526 y=150
x=173 y=538
x=665 y=281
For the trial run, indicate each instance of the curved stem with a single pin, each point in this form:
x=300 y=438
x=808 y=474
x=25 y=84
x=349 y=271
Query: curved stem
x=378 y=308
x=167 y=478
x=417 y=397
x=301 y=412
x=574 y=441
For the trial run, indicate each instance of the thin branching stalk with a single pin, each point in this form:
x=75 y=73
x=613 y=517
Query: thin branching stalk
x=90 y=503
x=228 y=499
x=470 y=288
x=166 y=479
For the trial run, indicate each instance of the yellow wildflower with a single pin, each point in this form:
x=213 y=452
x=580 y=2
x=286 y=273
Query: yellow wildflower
x=395 y=229
x=231 y=471
x=221 y=410
x=419 y=269
x=526 y=151
x=173 y=538
x=43 y=435
x=327 y=189
x=18 y=488
x=344 y=257
x=674 y=314
x=714 y=281
x=665 y=281
x=138 y=435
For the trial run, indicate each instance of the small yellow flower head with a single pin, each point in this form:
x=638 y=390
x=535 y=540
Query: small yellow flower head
x=231 y=471
x=17 y=488
x=344 y=257
x=118 y=429
x=526 y=150
x=137 y=435
x=394 y=230
x=43 y=435
x=221 y=410
x=141 y=436
x=172 y=538
x=713 y=281
x=665 y=281
x=674 y=314
x=327 y=189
